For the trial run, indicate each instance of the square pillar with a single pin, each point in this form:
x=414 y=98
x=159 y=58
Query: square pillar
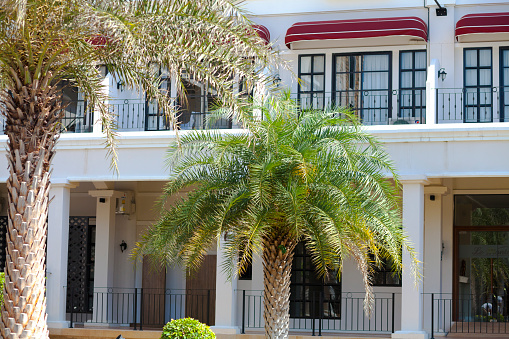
x=104 y=251
x=57 y=252
x=411 y=290
x=226 y=298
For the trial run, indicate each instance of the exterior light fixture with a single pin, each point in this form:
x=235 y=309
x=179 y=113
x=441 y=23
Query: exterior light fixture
x=442 y=74
x=120 y=85
x=277 y=80
x=441 y=10
x=123 y=246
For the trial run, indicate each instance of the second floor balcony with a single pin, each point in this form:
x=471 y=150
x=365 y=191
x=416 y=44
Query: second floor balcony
x=397 y=107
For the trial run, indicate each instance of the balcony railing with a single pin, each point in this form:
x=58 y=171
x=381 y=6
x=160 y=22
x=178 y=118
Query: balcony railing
x=373 y=107
x=472 y=104
x=344 y=313
x=139 y=307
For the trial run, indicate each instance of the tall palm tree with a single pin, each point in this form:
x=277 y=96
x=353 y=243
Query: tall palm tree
x=312 y=176
x=46 y=43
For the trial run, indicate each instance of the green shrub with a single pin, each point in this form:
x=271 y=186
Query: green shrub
x=2 y=281
x=187 y=328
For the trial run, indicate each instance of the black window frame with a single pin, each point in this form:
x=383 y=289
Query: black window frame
x=313 y=300
x=478 y=86
x=312 y=74
x=503 y=104
x=384 y=270
x=359 y=111
x=413 y=88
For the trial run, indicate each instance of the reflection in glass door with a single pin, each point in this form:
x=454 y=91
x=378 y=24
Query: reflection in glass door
x=483 y=276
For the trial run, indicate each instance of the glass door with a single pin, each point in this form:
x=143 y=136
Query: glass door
x=483 y=279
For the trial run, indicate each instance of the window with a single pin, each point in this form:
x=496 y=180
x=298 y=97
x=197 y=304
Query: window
x=477 y=85
x=362 y=83
x=307 y=289
x=312 y=81
x=384 y=275
x=412 y=84
x=504 y=83
x=156 y=119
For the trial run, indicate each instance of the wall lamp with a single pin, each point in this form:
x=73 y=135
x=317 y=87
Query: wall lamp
x=277 y=80
x=120 y=85
x=123 y=246
x=441 y=74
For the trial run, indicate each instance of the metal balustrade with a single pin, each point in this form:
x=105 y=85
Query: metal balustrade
x=466 y=313
x=345 y=314
x=140 y=307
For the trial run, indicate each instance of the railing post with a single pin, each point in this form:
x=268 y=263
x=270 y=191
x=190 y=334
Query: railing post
x=320 y=310
x=243 y=312
x=208 y=307
x=72 y=307
x=436 y=105
x=393 y=313
x=135 y=307
x=432 y=317
x=313 y=309
x=141 y=310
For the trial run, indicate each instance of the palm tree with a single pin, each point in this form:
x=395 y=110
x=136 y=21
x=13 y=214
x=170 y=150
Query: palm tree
x=314 y=177
x=45 y=44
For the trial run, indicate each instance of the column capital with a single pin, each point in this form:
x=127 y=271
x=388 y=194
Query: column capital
x=414 y=179
x=104 y=193
x=64 y=184
x=437 y=190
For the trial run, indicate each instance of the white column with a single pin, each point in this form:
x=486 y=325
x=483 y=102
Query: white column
x=226 y=300
x=413 y=224
x=57 y=251
x=104 y=250
x=432 y=273
x=431 y=93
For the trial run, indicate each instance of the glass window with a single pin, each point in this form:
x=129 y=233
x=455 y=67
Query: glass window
x=306 y=289
x=312 y=81
x=362 y=84
x=504 y=84
x=384 y=275
x=412 y=84
x=477 y=82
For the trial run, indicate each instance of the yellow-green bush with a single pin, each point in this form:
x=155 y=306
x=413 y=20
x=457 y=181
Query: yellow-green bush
x=187 y=328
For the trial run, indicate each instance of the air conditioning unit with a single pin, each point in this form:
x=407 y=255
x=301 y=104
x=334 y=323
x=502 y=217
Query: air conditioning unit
x=125 y=203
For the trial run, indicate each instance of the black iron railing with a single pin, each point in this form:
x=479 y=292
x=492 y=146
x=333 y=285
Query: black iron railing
x=472 y=104
x=467 y=313
x=373 y=107
x=344 y=313
x=141 y=307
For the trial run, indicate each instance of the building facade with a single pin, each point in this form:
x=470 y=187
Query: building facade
x=428 y=79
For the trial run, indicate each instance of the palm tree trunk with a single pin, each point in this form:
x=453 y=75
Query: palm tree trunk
x=32 y=112
x=277 y=269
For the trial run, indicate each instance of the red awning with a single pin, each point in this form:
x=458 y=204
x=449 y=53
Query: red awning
x=359 y=32
x=262 y=32
x=483 y=27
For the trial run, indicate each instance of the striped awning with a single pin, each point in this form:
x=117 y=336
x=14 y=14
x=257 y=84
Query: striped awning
x=358 y=32
x=262 y=32
x=483 y=27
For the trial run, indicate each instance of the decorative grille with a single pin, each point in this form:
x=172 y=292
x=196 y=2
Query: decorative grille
x=77 y=280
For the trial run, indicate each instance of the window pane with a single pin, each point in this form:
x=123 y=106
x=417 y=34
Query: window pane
x=342 y=64
x=485 y=57
x=318 y=83
x=485 y=77
x=305 y=84
x=406 y=80
x=406 y=60
x=319 y=63
x=375 y=81
x=420 y=79
x=471 y=77
x=506 y=76
x=505 y=58
x=375 y=62
x=420 y=60
x=305 y=64
x=471 y=58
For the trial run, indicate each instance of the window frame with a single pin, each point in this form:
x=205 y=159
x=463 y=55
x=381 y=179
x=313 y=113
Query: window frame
x=503 y=104
x=478 y=86
x=359 y=111
x=413 y=70
x=312 y=74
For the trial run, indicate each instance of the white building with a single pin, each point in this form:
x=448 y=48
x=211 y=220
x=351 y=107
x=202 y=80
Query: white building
x=428 y=81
